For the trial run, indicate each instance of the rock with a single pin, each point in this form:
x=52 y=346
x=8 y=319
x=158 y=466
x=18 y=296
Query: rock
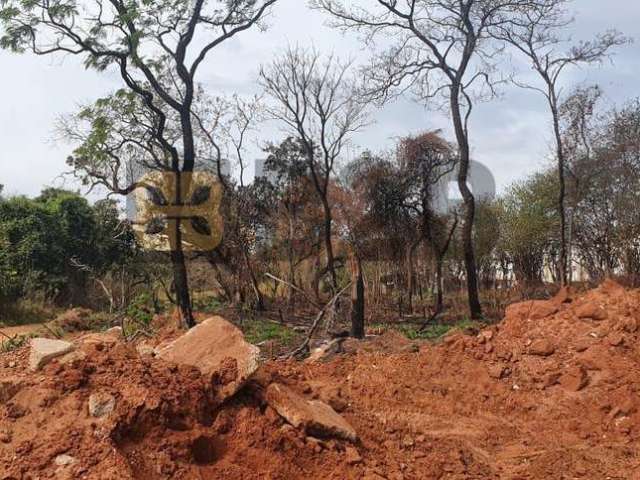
x=101 y=404
x=326 y=351
x=218 y=349
x=316 y=417
x=72 y=357
x=616 y=339
x=107 y=337
x=574 y=379
x=5 y=436
x=8 y=388
x=407 y=442
x=115 y=331
x=352 y=456
x=542 y=309
x=592 y=311
x=564 y=295
x=550 y=379
x=497 y=371
x=145 y=350
x=532 y=309
x=630 y=325
x=542 y=347
x=64 y=460
x=43 y=350
x=582 y=345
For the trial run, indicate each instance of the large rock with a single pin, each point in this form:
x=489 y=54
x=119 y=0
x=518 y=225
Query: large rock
x=315 y=417
x=218 y=349
x=108 y=337
x=592 y=311
x=43 y=350
x=542 y=348
x=532 y=310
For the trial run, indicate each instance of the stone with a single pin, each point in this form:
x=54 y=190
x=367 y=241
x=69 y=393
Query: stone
x=115 y=331
x=574 y=379
x=218 y=349
x=326 y=351
x=592 y=311
x=497 y=371
x=64 y=460
x=542 y=309
x=108 y=337
x=8 y=388
x=542 y=347
x=531 y=309
x=101 y=404
x=352 y=456
x=145 y=350
x=5 y=436
x=407 y=442
x=315 y=417
x=72 y=357
x=616 y=339
x=564 y=295
x=43 y=350
x=582 y=345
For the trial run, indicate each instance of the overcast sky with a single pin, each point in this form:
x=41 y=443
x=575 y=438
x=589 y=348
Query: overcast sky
x=510 y=135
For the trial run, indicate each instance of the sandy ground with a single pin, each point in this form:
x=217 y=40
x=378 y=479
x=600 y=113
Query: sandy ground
x=549 y=393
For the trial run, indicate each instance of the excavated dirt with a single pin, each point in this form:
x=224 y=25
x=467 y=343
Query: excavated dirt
x=549 y=393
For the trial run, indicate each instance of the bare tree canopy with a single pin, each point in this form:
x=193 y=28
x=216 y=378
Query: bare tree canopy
x=443 y=49
x=537 y=34
x=316 y=100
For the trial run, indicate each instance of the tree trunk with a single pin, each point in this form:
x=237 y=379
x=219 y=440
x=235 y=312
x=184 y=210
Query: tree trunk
x=411 y=274
x=182 y=287
x=475 y=309
x=357 y=300
x=562 y=189
x=439 y=304
x=327 y=241
x=254 y=283
x=180 y=277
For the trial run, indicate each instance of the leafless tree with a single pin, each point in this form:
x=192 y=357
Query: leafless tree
x=316 y=101
x=537 y=34
x=439 y=49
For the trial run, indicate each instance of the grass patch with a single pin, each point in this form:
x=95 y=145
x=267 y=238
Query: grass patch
x=258 y=331
x=433 y=331
x=26 y=312
x=207 y=304
x=10 y=344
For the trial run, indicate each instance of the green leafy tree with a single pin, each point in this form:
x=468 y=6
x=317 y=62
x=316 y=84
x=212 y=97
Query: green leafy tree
x=157 y=47
x=529 y=220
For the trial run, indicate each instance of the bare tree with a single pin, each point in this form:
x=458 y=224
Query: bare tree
x=440 y=49
x=152 y=47
x=315 y=100
x=424 y=161
x=537 y=35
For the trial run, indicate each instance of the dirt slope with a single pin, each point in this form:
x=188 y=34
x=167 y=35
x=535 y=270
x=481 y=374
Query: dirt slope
x=550 y=393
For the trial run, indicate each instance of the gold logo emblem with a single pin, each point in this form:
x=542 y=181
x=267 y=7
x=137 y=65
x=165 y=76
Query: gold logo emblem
x=174 y=208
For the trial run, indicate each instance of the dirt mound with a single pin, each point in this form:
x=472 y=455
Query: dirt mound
x=550 y=392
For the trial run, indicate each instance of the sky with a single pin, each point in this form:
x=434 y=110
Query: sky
x=511 y=135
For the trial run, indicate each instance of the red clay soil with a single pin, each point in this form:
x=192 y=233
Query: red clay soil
x=549 y=393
